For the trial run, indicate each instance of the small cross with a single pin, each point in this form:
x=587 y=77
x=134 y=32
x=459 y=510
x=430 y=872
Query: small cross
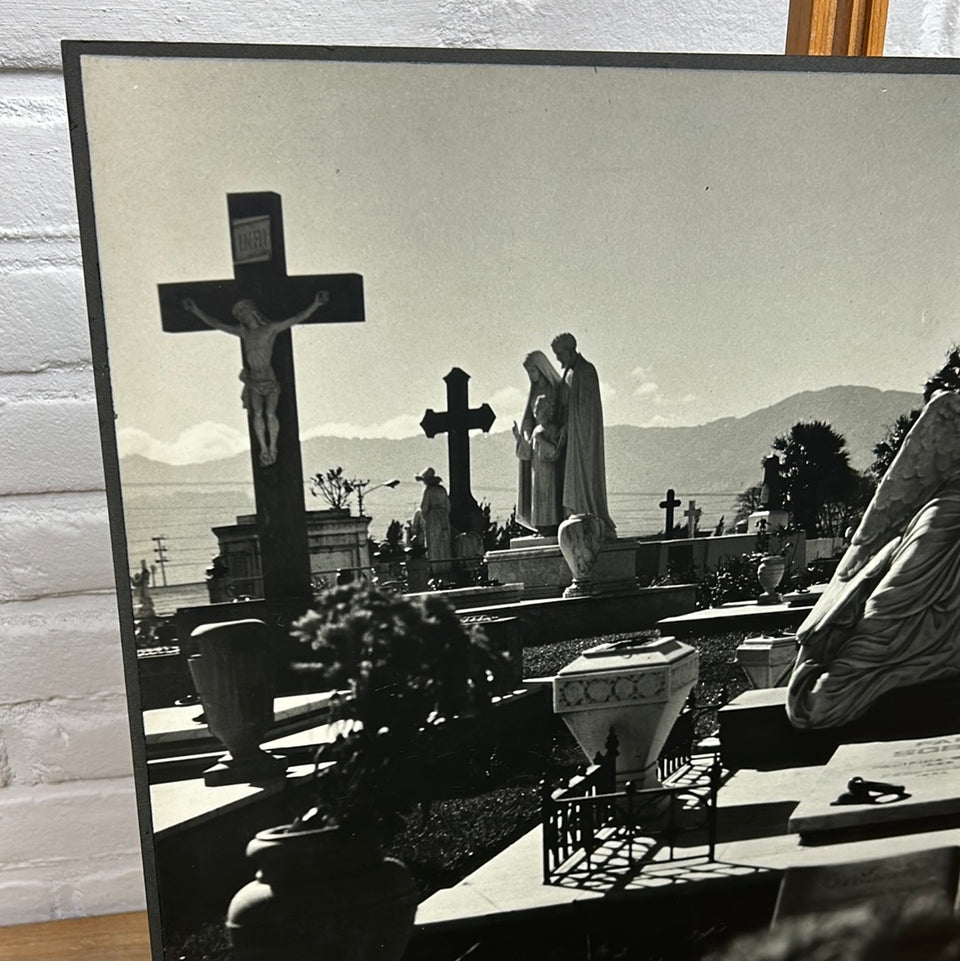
x=457 y=422
x=265 y=303
x=692 y=514
x=668 y=504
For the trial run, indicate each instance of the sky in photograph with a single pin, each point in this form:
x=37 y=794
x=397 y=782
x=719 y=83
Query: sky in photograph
x=716 y=240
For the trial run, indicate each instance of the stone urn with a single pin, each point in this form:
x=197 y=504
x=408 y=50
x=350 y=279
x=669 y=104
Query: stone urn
x=580 y=537
x=638 y=687
x=767 y=660
x=234 y=676
x=770 y=572
x=321 y=894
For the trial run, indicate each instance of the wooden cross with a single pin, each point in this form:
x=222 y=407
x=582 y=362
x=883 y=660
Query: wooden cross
x=265 y=302
x=457 y=422
x=692 y=514
x=668 y=504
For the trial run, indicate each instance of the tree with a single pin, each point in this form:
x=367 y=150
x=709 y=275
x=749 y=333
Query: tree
x=748 y=501
x=886 y=449
x=817 y=472
x=946 y=377
x=835 y=517
x=334 y=488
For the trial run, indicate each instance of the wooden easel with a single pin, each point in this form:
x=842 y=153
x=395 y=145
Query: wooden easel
x=836 y=28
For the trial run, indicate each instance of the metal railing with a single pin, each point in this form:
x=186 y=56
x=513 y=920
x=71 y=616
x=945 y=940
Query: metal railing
x=588 y=811
x=580 y=818
x=573 y=815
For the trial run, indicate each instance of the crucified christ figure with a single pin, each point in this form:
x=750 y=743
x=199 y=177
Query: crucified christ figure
x=261 y=390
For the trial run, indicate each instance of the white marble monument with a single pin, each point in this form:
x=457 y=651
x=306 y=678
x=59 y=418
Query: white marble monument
x=636 y=686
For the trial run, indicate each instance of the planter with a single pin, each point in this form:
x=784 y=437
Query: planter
x=637 y=687
x=580 y=537
x=323 y=895
x=770 y=572
x=234 y=676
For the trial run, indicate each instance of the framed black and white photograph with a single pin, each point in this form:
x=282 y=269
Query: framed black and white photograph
x=533 y=489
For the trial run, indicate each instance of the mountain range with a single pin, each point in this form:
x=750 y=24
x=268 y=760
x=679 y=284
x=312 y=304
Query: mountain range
x=720 y=456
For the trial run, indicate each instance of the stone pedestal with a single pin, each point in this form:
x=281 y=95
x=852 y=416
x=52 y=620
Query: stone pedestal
x=540 y=567
x=636 y=687
x=532 y=540
x=767 y=660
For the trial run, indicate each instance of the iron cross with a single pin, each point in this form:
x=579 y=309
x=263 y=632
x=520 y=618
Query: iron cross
x=456 y=422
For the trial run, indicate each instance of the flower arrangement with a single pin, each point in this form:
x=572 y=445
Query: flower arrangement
x=786 y=540
x=405 y=668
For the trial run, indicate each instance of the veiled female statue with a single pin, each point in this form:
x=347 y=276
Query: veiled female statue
x=890 y=616
x=537 y=507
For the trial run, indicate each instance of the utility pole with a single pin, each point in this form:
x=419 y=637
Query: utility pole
x=161 y=551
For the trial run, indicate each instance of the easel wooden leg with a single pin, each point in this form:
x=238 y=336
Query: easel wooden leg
x=837 y=28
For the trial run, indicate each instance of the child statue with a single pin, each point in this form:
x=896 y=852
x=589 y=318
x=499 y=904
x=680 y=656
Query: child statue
x=545 y=479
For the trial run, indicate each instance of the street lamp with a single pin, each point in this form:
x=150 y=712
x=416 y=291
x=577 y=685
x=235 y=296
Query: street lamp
x=361 y=489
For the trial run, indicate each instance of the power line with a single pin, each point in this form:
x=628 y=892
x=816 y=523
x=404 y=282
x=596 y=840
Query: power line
x=161 y=551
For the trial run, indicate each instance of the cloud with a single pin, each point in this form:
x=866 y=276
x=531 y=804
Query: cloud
x=656 y=421
x=197 y=443
x=507 y=404
x=397 y=428
x=647 y=389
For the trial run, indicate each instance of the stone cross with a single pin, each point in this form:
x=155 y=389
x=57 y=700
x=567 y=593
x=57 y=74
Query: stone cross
x=457 y=422
x=692 y=514
x=668 y=504
x=261 y=295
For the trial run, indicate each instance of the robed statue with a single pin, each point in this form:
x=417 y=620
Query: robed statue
x=890 y=616
x=581 y=435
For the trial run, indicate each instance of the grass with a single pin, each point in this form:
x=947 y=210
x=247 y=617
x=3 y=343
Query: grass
x=497 y=797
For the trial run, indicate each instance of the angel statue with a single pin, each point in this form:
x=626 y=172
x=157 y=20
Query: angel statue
x=890 y=616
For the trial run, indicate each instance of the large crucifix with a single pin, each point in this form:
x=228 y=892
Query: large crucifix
x=259 y=306
x=457 y=422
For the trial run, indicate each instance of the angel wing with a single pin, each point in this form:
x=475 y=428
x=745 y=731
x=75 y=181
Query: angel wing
x=928 y=458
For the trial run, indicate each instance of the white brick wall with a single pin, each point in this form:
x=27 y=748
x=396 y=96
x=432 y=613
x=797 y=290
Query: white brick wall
x=68 y=830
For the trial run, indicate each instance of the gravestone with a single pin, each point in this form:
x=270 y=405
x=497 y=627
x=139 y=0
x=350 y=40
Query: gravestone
x=668 y=504
x=692 y=514
x=259 y=268
x=810 y=889
x=865 y=788
x=456 y=422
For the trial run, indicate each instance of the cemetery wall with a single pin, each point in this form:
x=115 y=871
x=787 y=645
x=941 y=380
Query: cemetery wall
x=68 y=830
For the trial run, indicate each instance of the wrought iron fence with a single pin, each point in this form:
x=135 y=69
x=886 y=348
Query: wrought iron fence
x=581 y=818
x=588 y=811
x=574 y=815
x=678 y=748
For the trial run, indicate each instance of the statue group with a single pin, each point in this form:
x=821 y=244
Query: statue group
x=559 y=442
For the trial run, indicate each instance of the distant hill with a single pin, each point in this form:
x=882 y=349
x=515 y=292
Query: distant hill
x=723 y=455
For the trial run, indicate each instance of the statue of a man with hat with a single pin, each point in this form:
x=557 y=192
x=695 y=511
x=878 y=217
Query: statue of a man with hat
x=435 y=520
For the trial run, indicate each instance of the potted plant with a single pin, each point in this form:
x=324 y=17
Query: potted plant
x=772 y=564
x=408 y=668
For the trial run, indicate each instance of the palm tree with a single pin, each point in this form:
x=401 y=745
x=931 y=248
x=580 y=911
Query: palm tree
x=816 y=470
